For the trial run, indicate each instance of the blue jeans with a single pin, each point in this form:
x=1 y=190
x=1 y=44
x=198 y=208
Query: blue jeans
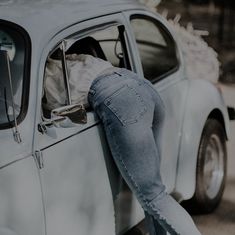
x=132 y=113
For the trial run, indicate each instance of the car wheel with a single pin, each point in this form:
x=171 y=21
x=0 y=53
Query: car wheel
x=211 y=169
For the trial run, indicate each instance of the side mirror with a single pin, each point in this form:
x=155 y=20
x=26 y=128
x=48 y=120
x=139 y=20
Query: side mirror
x=76 y=113
x=65 y=117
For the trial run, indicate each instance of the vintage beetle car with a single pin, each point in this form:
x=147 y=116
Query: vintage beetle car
x=56 y=179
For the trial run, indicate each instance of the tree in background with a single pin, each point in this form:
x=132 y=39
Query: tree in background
x=201 y=61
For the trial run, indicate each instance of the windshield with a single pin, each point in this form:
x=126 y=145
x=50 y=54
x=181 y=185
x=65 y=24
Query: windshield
x=13 y=42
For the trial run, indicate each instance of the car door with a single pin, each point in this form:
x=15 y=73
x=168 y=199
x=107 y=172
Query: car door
x=21 y=208
x=80 y=182
x=160 y=61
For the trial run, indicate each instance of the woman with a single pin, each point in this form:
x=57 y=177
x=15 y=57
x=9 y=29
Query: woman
x=132 y=114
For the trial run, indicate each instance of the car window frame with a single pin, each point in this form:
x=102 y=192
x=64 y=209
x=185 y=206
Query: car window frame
x=26 y=74
x=121 y=27
x=160 y=24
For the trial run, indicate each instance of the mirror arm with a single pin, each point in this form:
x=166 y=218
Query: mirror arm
x=42 y=127
x=65 y=73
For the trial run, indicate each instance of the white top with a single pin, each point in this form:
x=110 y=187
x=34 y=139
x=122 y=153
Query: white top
x=82 y=70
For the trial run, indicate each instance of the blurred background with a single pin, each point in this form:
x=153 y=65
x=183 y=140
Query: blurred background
x=215 y=16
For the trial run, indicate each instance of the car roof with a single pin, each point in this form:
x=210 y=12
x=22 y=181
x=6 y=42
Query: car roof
x=47 y=17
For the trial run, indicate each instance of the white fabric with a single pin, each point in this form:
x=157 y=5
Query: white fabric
x=201 y=60
x=82 y=70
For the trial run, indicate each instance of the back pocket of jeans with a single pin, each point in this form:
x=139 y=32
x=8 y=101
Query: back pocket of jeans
x=126 y=104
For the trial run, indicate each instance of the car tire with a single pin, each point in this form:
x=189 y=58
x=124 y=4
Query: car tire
x=211 y=169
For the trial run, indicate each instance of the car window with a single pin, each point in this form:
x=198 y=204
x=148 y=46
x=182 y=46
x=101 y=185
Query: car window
x=16 y=43
x=156 y=47
x=107 y=44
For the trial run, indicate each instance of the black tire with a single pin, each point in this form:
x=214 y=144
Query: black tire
x=210 y=183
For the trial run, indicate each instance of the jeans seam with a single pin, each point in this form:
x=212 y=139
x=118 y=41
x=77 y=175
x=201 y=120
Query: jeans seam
x=128 y=173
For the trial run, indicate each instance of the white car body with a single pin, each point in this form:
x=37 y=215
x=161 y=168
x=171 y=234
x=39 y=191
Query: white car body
x=78 y=189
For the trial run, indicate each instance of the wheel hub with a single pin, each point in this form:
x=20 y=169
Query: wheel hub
x=214 y=166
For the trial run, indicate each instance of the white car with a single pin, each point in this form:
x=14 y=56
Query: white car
x=58 y=179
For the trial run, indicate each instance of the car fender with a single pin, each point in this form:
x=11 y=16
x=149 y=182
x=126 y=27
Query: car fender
x=203 y=100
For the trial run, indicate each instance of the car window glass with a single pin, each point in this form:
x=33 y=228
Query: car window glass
x=13 y=42
x=156 y=48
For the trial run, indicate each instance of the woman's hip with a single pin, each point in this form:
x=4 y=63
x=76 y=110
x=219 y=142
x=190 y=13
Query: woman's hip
x=108 y=85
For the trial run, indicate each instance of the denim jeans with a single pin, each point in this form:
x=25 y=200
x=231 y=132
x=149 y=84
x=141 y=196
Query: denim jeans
x=132 y=113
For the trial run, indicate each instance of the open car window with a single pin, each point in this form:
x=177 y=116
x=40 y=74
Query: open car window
x=107 y=44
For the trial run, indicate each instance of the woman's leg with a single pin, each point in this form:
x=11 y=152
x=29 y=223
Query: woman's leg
x=127 y=116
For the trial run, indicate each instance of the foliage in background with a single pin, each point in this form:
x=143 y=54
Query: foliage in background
x=201 y=61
